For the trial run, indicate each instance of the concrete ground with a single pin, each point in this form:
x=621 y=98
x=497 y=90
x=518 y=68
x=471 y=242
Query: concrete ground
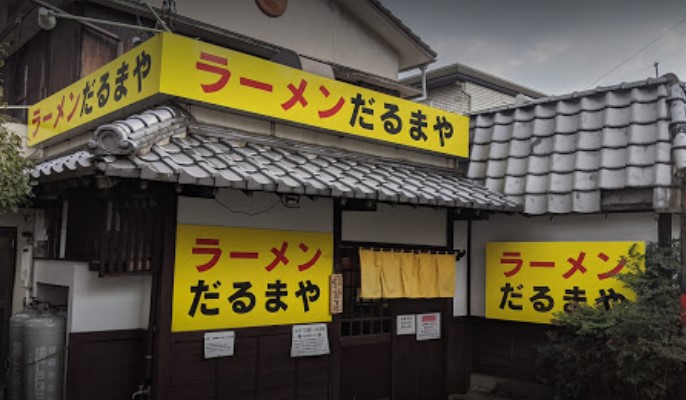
x=476 y=395
x=484 y=387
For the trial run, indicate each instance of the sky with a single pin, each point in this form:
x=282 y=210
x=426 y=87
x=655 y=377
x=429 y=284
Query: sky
x=553 y=46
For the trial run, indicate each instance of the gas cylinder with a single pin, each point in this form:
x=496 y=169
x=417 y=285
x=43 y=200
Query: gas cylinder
x=16 y=339
x=43 y=357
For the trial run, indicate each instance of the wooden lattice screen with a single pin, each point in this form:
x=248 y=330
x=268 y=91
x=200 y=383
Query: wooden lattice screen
x=360 y=317
x=119 y=232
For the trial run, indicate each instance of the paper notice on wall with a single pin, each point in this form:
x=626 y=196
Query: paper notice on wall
x=429 y=326
x=405 y=325
x=219 y=344
x=309 y=340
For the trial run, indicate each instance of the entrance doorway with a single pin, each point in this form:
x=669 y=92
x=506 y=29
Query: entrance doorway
x=378 y=364
x=8 y=251
x=418 y=366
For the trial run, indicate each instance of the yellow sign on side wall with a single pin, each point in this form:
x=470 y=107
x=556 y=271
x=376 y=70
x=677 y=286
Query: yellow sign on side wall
x=238 y=277
x=529 y=282
x=173 y=65
x=131 y=78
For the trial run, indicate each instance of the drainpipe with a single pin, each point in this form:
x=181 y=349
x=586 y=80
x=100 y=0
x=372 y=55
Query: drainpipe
x=425 y=94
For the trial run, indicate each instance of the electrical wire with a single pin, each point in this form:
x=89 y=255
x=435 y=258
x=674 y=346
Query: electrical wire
x=638 y=52
x=249 y=214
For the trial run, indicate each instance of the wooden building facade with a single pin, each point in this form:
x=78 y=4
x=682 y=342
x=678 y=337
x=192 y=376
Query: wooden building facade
x=106 y=235
x=113 y=201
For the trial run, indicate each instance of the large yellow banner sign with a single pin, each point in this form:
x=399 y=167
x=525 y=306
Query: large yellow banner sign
x=239 y=277
x=110 y=91
x=529 y=282
x=209 y=74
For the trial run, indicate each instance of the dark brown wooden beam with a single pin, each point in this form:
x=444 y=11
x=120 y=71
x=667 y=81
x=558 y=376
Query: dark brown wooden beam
x=163 y=336
x=664 y=230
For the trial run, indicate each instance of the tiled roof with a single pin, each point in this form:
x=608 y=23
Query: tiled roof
x=556 y=155
x=152 y=146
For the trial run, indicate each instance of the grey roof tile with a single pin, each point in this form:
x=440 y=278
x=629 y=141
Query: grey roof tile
x=613 y=158
x=538 y=165
x=214 y=160
x=591 y=120
x=589 y=140
x=560 y=203
x=610 y=138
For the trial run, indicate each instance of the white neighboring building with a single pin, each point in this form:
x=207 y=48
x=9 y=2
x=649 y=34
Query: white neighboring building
x=462 y=89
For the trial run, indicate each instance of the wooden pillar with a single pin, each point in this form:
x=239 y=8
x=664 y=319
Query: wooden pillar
x=335 y=326
x=664 y=230
x=163 y=337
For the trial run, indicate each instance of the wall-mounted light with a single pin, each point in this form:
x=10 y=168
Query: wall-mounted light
x=290 y=200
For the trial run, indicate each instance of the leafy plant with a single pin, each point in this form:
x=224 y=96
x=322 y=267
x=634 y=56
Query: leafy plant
x=636 y=350
x=14 y=180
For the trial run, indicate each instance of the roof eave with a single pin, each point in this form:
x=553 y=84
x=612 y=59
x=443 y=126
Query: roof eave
x=451 y=73
x=412 y=51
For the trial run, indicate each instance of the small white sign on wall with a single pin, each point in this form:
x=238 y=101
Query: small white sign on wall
x=219 y=344
x=309 y=340
x=429 y=326
x=405 y=325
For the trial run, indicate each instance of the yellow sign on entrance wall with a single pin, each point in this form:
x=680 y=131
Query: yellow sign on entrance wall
x=528 y=281
x=239 y=277
x=214 y=75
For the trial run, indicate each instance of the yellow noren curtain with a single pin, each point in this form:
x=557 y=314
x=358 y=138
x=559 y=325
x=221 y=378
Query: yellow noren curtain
x=445 y=266
x=391 y=275
x=370 y=274
x=391 y=279
x=409 y=268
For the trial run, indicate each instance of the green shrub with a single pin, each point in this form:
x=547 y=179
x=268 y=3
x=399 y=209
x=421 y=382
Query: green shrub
x=14 y=179
x=636 y=350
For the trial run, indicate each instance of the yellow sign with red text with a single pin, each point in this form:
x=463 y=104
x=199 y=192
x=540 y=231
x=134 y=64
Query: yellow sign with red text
x=239 y=277
x=530 y=281
x=175 y=66
x=112 y=91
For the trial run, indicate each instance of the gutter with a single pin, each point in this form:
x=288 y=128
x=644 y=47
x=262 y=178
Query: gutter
x=425 y=93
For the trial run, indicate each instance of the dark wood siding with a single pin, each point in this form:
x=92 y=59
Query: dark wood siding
x=8 y=251
x=459 y=359
x=98 y=49
x=260 y=369
x=507 y=349
x=366 y=368
x=47 y=63
x=62 y=56
x=104 y=365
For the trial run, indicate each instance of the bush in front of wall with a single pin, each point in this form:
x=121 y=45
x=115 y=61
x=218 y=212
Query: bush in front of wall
x=634 y=351
x=15 y=184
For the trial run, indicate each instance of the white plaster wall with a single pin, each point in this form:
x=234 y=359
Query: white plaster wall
x=399 y=224
x=568 y=228
x=259 y=210
x=484 y=98
x=465 y=97
x=97 y=304
x=340 y=141
x=317 y=28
